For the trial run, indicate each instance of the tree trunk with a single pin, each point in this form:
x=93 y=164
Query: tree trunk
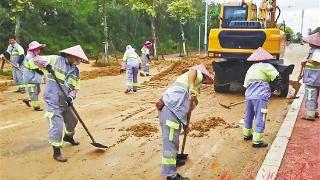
x=183 y=40
x=106 y=45
x=154 y=37
x=17 y=29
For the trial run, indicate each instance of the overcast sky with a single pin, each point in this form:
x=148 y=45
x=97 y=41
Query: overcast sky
x=292 y=13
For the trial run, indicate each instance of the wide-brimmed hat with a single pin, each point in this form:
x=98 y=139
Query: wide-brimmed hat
x=260 y=55
x=313 y=39
x=76 y=51
x=203 y=69
x=35 y=45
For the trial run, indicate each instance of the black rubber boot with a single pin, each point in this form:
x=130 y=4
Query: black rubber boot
x=70 y=140
x=127 y=91
x=27 y=102
x=260 y=145
x=22 y=90
x=38 y=108
x=57 y=155
x=180 y=162
x=178 y=177
x=247 y=138
x=317 y=115
x=141 y=74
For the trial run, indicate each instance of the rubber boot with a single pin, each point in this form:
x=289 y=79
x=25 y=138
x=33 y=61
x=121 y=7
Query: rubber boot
x=70 y=140
x=260 y=145
x=127 y=91
x=27 y=102
x=180 y=162
x=317 y=115
x=142 y=74
x=22 y=90
x=178 y=177
x=38 y=108
x=57 y=155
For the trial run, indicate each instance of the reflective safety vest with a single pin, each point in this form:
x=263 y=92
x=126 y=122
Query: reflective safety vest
x=145 y=50
x=29 y=62
x=260 y=72
x=183 y=80
x=131 y=57
x=67 y=75
x=15 y=51
x=311 y=75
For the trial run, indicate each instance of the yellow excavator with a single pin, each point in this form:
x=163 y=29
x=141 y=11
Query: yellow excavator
x=242 y=30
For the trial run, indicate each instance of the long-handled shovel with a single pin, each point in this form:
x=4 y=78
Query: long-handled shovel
x=182 y=157
x=94 y=143
x=232 y=104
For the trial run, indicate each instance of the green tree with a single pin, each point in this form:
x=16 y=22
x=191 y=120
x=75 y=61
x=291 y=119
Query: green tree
x=183 y=11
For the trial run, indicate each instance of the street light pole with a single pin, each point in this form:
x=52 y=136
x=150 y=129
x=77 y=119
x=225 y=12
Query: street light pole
x=206 y=28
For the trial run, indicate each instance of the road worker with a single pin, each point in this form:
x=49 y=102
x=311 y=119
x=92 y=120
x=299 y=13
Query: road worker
x=15 y=53
x=132 y=62
x=59 y=112
x=261 y=80
x=32 y=75
x=173 y=110
x=145 y=56
x=311 y=77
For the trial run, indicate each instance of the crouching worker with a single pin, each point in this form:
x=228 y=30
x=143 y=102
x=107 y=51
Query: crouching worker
x=311 y=77
x=132 y=62
x=59 y=112
x=261 y=80
x=32 y=75
x=173 y=110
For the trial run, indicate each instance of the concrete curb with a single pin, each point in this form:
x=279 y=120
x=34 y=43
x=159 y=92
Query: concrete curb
x=272 y=162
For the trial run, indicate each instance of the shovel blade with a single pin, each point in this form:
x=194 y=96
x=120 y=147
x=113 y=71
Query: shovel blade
x=225 y=106
x=182 y=156
x=98 y=145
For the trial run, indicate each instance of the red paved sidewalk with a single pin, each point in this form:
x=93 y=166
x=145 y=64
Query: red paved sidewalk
x=302 y=156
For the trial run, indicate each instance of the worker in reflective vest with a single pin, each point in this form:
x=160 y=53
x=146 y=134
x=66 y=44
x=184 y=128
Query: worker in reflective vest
x=261 y=80
x=59 y=112
x=32 y=75
x=15 y=54
x=173 y=113
x=145 y=56
x=311 y=77
x=132 y=62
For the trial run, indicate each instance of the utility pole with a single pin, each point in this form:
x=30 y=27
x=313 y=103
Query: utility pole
x=206 y=29
x=199 y=39
x=302 y=17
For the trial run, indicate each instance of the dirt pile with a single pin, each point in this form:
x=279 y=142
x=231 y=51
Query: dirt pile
x=169 y=75
x=199 y=128
x=142 y=130
x=100 y=72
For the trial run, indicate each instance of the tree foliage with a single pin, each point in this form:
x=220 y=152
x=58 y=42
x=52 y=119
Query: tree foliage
x=63 y=23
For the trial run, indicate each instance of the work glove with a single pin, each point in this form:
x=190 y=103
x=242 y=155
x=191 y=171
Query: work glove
x=69 y=100
x=1 y=56
x=49 y=69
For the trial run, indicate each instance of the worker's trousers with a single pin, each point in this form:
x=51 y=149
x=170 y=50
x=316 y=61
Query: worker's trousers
x=132 y=76
x=145 y=65
x=33 y=92
x=17 y=75
x=255 y=109
x=171 y=128
x=61 y=122
x=311 y=98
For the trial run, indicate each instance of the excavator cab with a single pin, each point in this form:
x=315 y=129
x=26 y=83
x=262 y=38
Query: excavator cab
x=241 y=31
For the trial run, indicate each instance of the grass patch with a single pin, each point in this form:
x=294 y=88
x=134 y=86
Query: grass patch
x=6 y=73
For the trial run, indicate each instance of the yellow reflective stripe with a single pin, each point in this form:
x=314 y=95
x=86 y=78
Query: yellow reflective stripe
x=311 y=113
x=132 y=84
x=264 y=111
x=21 y=85
x=31 y=85
x=173 y=126
x=258 y=137
x=60 y=76
x=247 y=132
x=74 y=83
x=309 y=93
x=169 y=161
x=35 y=103
x=69 y=133
x=49 y=116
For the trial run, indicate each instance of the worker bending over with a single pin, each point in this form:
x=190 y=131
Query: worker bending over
x=132 y=62
x=173 y=110
x=32 y=75
x=261 y=80
x=59 y=112
x=311 y=77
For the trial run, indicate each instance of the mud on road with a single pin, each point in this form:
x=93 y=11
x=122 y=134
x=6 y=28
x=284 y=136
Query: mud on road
x=218 y=153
